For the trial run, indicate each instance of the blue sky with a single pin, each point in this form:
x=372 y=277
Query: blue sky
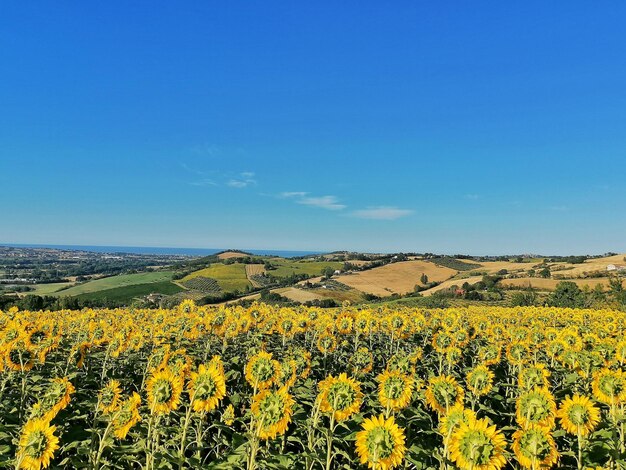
x=482 y=128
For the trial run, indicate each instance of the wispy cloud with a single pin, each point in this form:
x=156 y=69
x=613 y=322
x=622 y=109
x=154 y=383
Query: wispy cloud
x=289 y=194
x=203 y=182
x=382 y=213
x=244 y=180
x=558 y=208
x=330 y=203
x=323 y=202
x=472 y=197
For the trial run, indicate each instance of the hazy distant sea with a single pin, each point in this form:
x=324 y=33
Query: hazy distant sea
x=153 y=250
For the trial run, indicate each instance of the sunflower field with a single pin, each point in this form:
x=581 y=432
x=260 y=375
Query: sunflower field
x=476 y=388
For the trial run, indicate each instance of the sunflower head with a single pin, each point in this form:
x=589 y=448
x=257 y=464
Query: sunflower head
x=326 y=343
x=479 y=380
x=578 y=415
x=534 y=447
x=442 y=393
x=127 y=416
x=341 y=396
x=362 y=361
x=380 y=443
x=531 y=376
x=109 y=398
x=395 y=390
x=536 y=407
x=451 y=421
x=477 y=445
x=609 y=386
x=228 y=417
x=262 y=371
x=37 y=444
x=206 y=388
x=272 y=411
x=164 y=388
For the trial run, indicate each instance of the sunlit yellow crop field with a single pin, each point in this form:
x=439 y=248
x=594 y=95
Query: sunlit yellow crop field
x=304 y=388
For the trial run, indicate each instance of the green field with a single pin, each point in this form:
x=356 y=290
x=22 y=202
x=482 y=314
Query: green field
x=127 y=293
x=230 y=277
x=123 y=280
x=285 y=267
x=48 y=289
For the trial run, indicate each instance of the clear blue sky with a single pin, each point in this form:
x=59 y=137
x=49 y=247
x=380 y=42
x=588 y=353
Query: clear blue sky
x=477 y=127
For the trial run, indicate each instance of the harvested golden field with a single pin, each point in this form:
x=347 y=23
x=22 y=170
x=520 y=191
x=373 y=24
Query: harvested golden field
x=550 y=284
x=452 y=282
x=298 y=295
x=254 y=270
x=492 y=267
x=589 y=266
x=395 y=278
x=231 y=254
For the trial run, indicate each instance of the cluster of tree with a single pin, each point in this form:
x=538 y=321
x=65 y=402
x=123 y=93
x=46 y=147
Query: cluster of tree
x=48 y=302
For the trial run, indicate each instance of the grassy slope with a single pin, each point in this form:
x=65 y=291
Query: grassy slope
x=123 y=280
x=127 y=293
x=48 y=289
x=230 y=277
x=285 y=267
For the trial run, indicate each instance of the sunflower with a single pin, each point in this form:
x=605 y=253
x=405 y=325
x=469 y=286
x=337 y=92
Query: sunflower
x=479 y=380
x=288 y=372
x=395 y=390
x=229 y=415
x=401 y=363
x=109 y=398
x=126 y=416
x=164 y=389
x=187 y=306
x=380 y=443
x=343 y=323
x=451 y=421
x=442 y=393
x=56 y=397
x=37 y=445
x=477 y=445
x=609 y=386
x=326 y=343
x=535 y=375
x=272 y=411
x=517 y=353
x=578 y=415
x=18 y=357
x=206 y=388
x=340 y=395
x=536 y=407
x=179 y=362
x=362 y=361
x=303 y=362
x=534 y=447
x=490 y=354
x=262 y=371
x=442 y=340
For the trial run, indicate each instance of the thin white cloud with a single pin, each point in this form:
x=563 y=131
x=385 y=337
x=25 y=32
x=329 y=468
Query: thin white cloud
x=290 y=194
x=244 y=180
x=330 y=203
x=472 y=197
x=324 y=202
x=204 y=182
x=382 y=213
x=558 y=208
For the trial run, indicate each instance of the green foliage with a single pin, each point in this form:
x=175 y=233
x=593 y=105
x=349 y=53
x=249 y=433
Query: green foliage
x=567 y=294
x=453 y=263
x=126 y=294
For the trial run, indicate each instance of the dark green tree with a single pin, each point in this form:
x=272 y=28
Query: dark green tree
x=567 y=294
